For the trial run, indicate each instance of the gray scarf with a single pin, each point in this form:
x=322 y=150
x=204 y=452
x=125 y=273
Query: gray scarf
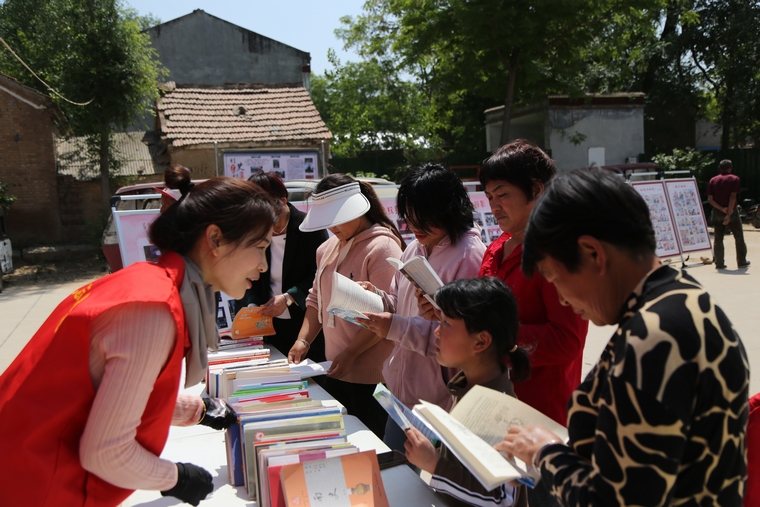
x=199 y=303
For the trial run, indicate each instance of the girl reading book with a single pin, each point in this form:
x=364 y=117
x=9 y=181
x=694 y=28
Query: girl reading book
x=438 y=211
x=363 y=237
x=478 y=328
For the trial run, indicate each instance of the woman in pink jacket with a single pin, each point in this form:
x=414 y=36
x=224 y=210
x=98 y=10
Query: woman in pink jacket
x=439 y=212
x=363 y=238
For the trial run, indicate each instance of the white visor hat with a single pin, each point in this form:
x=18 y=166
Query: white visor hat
x=334 y=207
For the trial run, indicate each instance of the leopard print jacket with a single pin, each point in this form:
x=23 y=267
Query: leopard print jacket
x=662 y=417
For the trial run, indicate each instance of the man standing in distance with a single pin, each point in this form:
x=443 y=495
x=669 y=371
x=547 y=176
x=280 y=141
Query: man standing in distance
x=722 y=194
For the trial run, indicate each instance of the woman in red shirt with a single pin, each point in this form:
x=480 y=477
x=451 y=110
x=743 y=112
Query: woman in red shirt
x=513 y=178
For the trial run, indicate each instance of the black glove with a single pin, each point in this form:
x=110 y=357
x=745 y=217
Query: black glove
x=218 y=414
x=193 y=484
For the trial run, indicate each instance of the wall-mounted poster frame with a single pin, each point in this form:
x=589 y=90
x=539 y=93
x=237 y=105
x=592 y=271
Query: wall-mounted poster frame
x=655 y=196
x=289 y=165
x=132 y=231
x=688 y=215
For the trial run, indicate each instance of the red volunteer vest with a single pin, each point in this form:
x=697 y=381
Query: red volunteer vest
x=46 y=394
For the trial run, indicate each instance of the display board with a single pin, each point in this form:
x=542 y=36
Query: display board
x=677 y=215
x=688 y=214
x=132 y=231
x=287 y=165
x=654 y=195
x=489 y=227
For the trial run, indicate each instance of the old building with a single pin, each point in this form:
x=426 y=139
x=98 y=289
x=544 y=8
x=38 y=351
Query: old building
x=202 y=126
x=202 y=49
x=578 y=132
x=29 y=122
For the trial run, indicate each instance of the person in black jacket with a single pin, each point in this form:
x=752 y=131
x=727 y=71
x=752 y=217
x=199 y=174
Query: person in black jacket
x=292 y=260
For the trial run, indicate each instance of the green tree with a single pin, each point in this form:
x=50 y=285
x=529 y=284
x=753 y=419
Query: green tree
x=6 y=199
x=468 y=51
x=724 y=43
x=87 y=50
x=367 y=106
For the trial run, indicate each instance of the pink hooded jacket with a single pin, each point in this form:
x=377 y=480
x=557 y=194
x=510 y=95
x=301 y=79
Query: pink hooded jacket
x=365 y=261
x=412 y=371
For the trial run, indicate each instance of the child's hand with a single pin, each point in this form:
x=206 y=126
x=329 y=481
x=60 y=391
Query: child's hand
x=341 y=365
x=419 y=451
x=379 y=323
x=427 y=310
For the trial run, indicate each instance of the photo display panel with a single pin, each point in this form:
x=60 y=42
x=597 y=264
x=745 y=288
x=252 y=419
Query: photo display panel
x=654 y=195
x=689 y=215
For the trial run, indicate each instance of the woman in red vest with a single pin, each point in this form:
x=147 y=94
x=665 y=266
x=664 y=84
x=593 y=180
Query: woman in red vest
x=85 y=408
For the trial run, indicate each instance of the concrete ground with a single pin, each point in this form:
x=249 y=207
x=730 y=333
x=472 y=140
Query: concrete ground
x=24 y=309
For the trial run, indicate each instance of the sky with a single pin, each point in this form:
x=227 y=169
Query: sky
x=307 y=25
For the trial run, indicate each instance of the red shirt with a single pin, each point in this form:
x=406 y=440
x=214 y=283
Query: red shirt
x=553 y=334
x=47 y=392
x=722 y=186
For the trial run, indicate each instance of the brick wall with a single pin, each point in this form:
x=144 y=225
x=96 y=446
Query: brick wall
x=27 y=165
x=79 y=203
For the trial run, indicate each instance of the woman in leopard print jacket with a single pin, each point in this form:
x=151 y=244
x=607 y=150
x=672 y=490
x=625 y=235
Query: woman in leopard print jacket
x=662 y=417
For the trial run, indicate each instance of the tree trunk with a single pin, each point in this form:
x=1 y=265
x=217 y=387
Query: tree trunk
x=105 y=190
x=725 y=138
x=507 y=116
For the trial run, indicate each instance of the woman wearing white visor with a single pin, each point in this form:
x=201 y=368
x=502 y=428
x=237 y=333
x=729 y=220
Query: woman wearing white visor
x=363 y=238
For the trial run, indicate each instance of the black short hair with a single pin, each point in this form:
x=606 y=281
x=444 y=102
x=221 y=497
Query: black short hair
x=432 y=196
x=487 y=304
x=520 y=163
x=585 y=202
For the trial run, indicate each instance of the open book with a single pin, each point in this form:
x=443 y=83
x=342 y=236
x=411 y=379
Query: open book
x=348 y=300
x=478 y=422
x=421 y=274
x=400 y=414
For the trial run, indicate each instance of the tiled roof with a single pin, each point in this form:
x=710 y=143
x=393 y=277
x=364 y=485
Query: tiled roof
x=140 y=153
x=234 y=113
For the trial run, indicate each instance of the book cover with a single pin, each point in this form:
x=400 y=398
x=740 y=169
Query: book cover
x=250 y=322
x=271 y=487
x=348 y=300
x=421 y=274
x=400 y=414
x=344 y=481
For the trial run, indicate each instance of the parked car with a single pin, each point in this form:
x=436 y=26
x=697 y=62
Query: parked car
x=6 y=250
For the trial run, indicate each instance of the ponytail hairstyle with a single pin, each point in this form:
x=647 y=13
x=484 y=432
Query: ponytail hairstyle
x=243 y=212
x=376 y=213
x=273 y=186
x=487 y=304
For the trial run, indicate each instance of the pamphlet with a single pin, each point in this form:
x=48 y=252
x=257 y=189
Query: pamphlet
x=249 y=322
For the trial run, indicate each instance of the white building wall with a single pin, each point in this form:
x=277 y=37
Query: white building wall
x=620 y=131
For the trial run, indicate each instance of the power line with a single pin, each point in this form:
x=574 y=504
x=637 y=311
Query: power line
x=40 y=79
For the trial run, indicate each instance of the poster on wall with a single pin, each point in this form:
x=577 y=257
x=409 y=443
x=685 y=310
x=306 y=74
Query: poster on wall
x=287 y=165
x=653 y=193
x=688 y=214
x=482 y=217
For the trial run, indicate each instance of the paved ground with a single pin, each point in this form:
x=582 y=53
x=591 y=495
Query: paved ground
x=24 y=308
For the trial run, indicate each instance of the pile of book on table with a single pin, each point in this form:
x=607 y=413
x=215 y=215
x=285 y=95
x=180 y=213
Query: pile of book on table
x=282 y=434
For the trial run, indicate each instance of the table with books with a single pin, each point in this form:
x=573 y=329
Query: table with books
x=346 y=441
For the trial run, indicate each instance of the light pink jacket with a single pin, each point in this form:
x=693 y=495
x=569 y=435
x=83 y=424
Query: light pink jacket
x=412 y=371
x=365 y=261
